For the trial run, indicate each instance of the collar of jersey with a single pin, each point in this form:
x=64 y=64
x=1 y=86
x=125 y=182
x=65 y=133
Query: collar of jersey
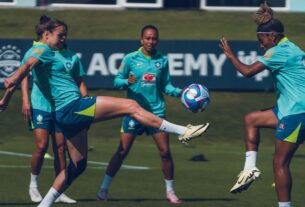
x=147 y=56
x=38 y=43
x=284 y=39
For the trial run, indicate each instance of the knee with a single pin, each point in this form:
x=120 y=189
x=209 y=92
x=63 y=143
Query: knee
x=75 y=170
x=133 y=107
x=41 y=147
x=249 y=119
x=165 y=155
x=122 y=153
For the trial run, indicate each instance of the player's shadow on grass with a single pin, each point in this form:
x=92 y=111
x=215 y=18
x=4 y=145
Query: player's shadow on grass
x=159 y=200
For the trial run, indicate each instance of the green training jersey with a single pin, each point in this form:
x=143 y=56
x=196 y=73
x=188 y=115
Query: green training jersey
x=54 y=84
x=152 y=80
x=286 y=62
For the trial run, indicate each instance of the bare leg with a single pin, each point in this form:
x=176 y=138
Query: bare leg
x=255 y=120
x=121 y=153
x=59 y=149
x=111 y=107
x=162 y=142
x=41 y=142
x=284 y=152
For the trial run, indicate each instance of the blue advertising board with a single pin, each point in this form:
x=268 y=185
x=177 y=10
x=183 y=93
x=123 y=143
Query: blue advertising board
x=199 y=61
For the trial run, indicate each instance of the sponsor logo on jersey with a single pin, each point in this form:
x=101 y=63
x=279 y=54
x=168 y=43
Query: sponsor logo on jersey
x=9 y=61
x=148 y=77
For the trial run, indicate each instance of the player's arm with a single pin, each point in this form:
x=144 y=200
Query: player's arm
x=13 y=81
x=121 y=79
x=82 y=87
x=245 y=70
x=26 y=103
x=167 y=86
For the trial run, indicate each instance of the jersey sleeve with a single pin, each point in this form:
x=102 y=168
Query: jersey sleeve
x=43 y=53
x=121 y=78
x=274 y=59
x=168 y=88
x=78 y=69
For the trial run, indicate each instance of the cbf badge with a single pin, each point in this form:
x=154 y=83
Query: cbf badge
x=9 y=61
x=158 y=65
x=68 y=66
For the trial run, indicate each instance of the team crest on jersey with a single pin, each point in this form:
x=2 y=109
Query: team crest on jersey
x=149 y=77
x=68 y=66
x=39 y=119
x=158 y=65
x=9 y=61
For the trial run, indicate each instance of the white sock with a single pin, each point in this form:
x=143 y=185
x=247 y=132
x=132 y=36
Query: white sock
x=172 y=128
x=34 y=181
x=250 y=160
x=50 y=198
x=169 y=185
x=106 y=182
x=285 y=204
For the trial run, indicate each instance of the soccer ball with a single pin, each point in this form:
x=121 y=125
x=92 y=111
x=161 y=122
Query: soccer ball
x=195 y=98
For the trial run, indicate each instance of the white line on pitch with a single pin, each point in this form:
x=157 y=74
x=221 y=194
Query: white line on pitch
x=129 y=167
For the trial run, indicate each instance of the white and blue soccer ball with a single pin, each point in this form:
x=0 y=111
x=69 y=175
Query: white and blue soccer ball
x=195 y=98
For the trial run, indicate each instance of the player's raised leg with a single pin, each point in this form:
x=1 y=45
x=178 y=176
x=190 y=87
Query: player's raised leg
x=111 y=107
x=252 y=123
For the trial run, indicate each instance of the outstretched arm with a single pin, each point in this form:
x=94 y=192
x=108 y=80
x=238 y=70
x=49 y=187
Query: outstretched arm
x=245 y=70
x=13 y=81
x=5 y=99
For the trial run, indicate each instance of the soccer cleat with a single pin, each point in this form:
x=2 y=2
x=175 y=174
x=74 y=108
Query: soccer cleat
x=65 y=199
x=172 y=198
x=35 y=195
x=102 y=195
x=245 y=179
x=192 y=132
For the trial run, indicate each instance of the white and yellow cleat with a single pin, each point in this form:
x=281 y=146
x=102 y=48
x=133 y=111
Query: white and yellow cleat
x=65 y=199
x=245 y=179
x=193 y=132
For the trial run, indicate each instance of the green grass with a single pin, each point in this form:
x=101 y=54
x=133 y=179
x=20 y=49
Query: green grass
x=199 y=184
x=104 y=24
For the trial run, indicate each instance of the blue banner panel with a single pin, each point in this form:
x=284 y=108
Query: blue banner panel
x=189 y=61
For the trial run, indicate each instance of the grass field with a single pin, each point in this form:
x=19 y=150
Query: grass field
x=199 y=184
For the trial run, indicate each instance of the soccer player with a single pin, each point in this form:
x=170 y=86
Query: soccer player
x=145 y=76
x=75 y=114
x=286 y=62
x=37 y=111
